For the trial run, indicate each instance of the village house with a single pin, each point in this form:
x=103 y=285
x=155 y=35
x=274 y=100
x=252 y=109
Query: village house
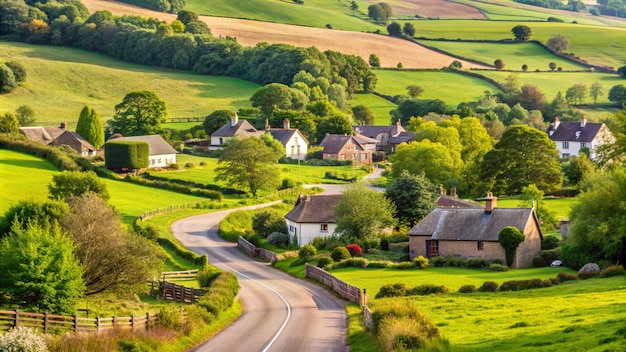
x=295 y=143
x=571 y=137
x=384 y=135
x=472 y=232
x=161 y=153
x=357 y=148
x=58 y=136
x=312 y=216
x=234 y=128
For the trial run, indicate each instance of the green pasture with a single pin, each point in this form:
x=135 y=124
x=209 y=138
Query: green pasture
x=453 y=278
x=310 y=13
x=206 y=174
x=599 y=45
x=453 y=88
x=23 y=177
x=60 y=81
x=582 y=315
x=550 y=83
x=514 y=55
x=379 y=106
x=561 y=206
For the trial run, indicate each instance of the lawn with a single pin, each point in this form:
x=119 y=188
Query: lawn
x=453 y=88
x=379 y=106
x=514 y=55
x=60 y=81
x=561 y=206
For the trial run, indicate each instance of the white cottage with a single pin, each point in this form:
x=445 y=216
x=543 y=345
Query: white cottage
x=571 y=137
x=161 y=153
x=312 y=216
x=294 y=141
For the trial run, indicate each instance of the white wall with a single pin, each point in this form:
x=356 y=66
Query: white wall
x=306 y=231
x=291 y=148
x=162 y=160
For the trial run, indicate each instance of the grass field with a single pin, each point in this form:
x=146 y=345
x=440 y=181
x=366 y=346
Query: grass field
x=450 y=87
x=513 y=55
x=550 y=83
x=60 y=81
x=379 y=106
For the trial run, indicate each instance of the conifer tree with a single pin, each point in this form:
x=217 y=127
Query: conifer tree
x=90 y=127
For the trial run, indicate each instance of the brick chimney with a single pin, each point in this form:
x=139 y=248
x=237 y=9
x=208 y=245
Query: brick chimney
x=286 y=124
x=234 y=120
x=267 y=125
x=491 y=202
x=556 y=123
x=453 y=191
x=63 y=125
x=583 y=121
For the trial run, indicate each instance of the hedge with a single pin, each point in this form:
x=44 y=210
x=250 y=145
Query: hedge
x=56 y=156
x=183 y=252
x=176 y=187
x=126 y=155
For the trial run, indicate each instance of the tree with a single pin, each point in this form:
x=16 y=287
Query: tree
x=248 y=164
x=333 y=124
x=476 y=143
x=379 y=13
x=394 y=29
x=216 y=120
x=268 y=221
x=595 y=91
x=362 y=114
x=432 y=159
x=39 y=270
x=9 y=123
x=531 y=98
x=277 y=147
x=533 y=197
x=510 y=238
x=7 y=79
x=374 y=61
x=524 y=67
x=43 y=214
x=354 y=7
x=186 y=16
x=552 y=66
x=362 y=212
x=498 y=64
x=617 y=94
x=415 y=90
x=19 y=71
x=576 y=94
x=25 y=115
x=511 y=85
x=413 y=196
x=74 y=183
x=522 y=33
x=408 y=29
x=622 y=71
x=523 y=156
x=558 y=43
x=577 y=169
x=89 y=126
x=110 y=256
x=272 y=96
x=140 y=113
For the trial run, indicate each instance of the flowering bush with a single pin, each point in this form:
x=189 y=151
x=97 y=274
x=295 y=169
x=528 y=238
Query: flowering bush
x=22 y=339
x=354 y=249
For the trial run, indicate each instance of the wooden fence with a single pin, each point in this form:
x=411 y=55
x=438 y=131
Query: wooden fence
x=185 y=119
x=172 y=208
x=179 y=275
x=173 y=292
x=50 y=323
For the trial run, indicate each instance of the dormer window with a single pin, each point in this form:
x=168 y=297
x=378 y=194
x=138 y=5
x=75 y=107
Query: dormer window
x=577 y=134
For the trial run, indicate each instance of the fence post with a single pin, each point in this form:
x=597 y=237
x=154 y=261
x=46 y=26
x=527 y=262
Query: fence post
x=147 y=320
x=75 y=322
x=114 y=321
x=97 y=325
x=132 y=323
x=45 y=322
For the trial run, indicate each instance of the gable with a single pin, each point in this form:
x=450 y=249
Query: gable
x=314 y=209
x=156 y=144
x=242 y=128
x=573 y=132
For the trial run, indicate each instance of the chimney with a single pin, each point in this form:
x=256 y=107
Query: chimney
x=398 y=123
x=583 y=121
x=63 y=125
x=234 y=120
x=267 y=125
x=286 y=124
x=453 y=191
x=556 y=123
x=442 y=191
x=491 y=203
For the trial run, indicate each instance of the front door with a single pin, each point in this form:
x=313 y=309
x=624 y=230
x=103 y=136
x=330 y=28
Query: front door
x=432 y=248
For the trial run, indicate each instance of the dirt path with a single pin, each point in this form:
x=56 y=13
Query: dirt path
x=391 y=51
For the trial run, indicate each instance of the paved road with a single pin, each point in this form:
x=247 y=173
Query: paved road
x=281 y=313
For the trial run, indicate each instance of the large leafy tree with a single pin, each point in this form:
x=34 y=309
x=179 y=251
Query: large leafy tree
x=248 y=164
x=140 y=113
x=432 y=159
x=362 y=212
x=39 y=270
x=110 y=256
x=333 y=124
x=413 y=196
x=74 y=183
x=25 y=115
x=89 y=126
x=25 y=212
x=9 y=123
x=523 y=156
x=521 y=32
x=476 y=143
x=216 y=120
x=272 y=96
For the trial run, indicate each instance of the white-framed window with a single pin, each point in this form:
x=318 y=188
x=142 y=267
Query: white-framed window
x=583 y=145
x=221 y=140
x=324 y=227
x=565 y=145
x=343 y=157
x=363 y=156
x=481 y=245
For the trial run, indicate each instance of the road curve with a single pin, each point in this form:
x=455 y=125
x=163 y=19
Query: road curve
x=280 y=312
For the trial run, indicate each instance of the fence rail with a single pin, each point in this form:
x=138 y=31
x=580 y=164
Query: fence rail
x=179 y=275
x=172 y=208
x=58 y=323
x=185 y=119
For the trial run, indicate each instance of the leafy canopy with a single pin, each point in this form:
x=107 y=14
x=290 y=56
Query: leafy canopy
x=413 y=196
x=74 y=183
x=140 y=113
x=362 y=212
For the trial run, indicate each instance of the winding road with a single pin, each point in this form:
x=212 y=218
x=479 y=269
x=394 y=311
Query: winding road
x=280 y=312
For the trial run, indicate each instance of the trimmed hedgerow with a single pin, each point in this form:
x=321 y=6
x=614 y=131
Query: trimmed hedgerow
x=467 y=289
x=324 y=261
x=183 y=252
x=380 y=264
x=488 y=286
x=392 y=290
x=131 y=155
x=423 y=290
x=56 y=156
x=307 y=251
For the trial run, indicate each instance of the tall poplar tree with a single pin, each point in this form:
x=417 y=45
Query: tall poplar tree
x=90 y=127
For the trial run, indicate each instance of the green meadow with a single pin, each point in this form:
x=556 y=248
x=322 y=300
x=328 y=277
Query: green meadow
x=60 y=81
x=514 y=55
x=453 y=88
x=317 y=13
x=380 y=107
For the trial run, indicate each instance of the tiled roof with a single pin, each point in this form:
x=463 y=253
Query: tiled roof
x=361 y=139
x=68 y=136
x=333 y=143
x=242 y=128
x=402 y=137
x=471 y=224
x=374 y=131
x=314 y=209
x=41 y=134
x=283 y=135
x=157 y=145
x=573 y=132
x=454 y=202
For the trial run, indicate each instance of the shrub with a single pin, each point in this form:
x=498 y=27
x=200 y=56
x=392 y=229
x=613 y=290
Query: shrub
x=189 y=165
x=407 y=309
x=22 y=339
x=404 y=265
x=587 y=275
x=306 y=252
x=170 y=318
x=384 y=244
x=423 y=290
x=456 y=261
x=392 y=290
x=324 y=261
x=510 y=238
x=369 y=245
x=279 y=239
x=354 y=262
x=19 y=72
x=340 y=253
x=354 y=249
x=173 y=166
x=498 y=267
x=497 y=261
x=380 y=264
x=467 y=289
x=267 y=222
x=421 y=262
x=131 y=155
x=438 y=261
x=478 y=262
x=254 y=239
x=288 y=183
x=550 y=242
x=203 y=163
x=613 y=270
x=488 y=286
x=566 y=277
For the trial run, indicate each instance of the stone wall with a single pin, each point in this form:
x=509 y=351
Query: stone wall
x=256 y=252
x=349 y=292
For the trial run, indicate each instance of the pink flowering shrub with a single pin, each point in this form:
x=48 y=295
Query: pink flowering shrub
x=354 y=249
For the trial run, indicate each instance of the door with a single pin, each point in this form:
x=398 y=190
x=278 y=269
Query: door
x=432 y=248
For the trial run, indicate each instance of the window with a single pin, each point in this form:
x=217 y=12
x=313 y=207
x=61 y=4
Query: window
x=353 y=156
x=293 y=147
x=343 y=157
x=221 y=140
x=432 y=248
x=160 y=161
x=363 y=156
x=565 y=145
x=480 y=245
x=583 y=145
x=324 y=227
x=565 y=155
x=292 y=228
